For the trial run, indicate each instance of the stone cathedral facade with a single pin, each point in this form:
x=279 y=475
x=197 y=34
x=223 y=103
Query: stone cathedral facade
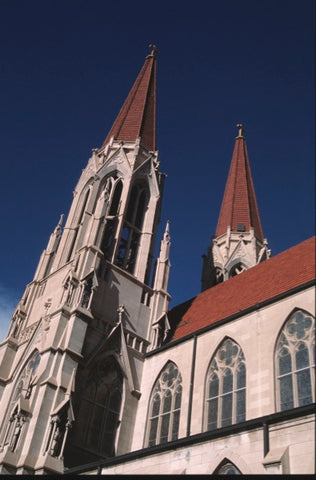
x=98 y=375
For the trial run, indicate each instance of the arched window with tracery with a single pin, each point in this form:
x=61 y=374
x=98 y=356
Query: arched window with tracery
x=97 y=410
x=227 y=468
x=23 y=387
x=225 y=399
x=295 y=361
x=112 y=197
x=164 y=407
x=132 y=228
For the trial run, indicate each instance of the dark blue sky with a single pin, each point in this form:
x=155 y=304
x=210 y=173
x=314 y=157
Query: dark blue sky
x=67 y=66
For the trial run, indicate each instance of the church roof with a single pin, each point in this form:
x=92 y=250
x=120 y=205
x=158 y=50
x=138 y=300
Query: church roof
x=137 y=117
x=271 y=278
x=239 y=206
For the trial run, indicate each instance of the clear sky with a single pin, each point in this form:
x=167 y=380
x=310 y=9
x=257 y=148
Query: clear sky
x=67 y=66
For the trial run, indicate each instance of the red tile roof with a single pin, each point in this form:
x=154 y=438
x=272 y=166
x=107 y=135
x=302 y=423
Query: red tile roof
x=239 y=204
x=137 y=117
x=273 y=277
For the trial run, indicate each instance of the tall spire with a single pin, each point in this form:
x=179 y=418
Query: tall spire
x=239 y=209
x=238 y=243
x=137 y=117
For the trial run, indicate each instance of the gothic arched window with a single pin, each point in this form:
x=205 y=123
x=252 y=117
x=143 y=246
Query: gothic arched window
x=99 y=408
x=227 y=468
x=237 y=269
x=23 y=387
x=225 y=402
x=78 y=225
x=26 y=377
x=295 y=361
x=164 y=407
x=132 y=229
x=112 y=197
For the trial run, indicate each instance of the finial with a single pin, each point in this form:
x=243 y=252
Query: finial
x=61 y=220
x=241 y=130
x=153 y=50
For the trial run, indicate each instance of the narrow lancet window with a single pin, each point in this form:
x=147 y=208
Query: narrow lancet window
x=112 y=198
x=78 y=225
x=132 y=229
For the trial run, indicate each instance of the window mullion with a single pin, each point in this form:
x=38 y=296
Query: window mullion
x=172 y=408
x=234 y=394
x=220 y=398
x=160 y=415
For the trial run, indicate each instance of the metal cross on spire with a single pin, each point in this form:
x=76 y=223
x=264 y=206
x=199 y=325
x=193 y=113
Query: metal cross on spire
x=153 y=50
x=241 y=130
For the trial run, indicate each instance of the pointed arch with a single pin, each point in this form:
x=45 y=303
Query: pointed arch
x=111 y=197
x=126 y=257
x=18 y=406
x=79 y=216
x=226 y=467
x=229 y=455
x=295 y=361
x=225 y=386
x=26 y=376
x=97 y=410
x=164 y=406
x=236 y=268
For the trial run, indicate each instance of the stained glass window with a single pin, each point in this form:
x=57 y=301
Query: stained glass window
x=225 y=402
x=165 y=405
x=227 y=468
x=295 y=361
x=99 y=408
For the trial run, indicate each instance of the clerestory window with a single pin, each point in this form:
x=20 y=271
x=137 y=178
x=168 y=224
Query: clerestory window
x=225 y=402
x=164 y=407
x=295 y=361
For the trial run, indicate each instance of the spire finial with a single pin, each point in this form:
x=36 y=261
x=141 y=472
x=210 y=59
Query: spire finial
x=241 y=130
x=153 y=50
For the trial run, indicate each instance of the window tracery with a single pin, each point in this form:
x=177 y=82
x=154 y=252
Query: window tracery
x=99 y=409
x=23 y=387
x=237 y=269
x=295 y=361
x=112 y=197
x=225 y=402
x=132 y=228
x=27 y=377
x=165 y=405
x=227 y=468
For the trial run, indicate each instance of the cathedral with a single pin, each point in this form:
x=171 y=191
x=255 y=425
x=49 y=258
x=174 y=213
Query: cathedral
x=99 y=376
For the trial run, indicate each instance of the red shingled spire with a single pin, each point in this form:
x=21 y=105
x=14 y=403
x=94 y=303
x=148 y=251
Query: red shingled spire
x=137 y=117
x=239 y=205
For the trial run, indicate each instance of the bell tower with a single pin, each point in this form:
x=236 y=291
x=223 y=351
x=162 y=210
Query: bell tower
x=71 y=363
x=239 y=242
